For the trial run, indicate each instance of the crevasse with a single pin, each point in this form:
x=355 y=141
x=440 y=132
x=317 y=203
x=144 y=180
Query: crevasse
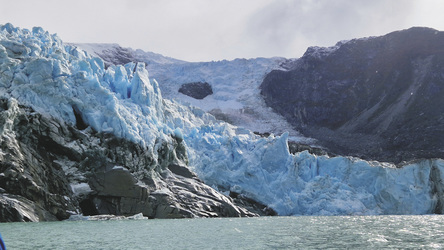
x=64 y=82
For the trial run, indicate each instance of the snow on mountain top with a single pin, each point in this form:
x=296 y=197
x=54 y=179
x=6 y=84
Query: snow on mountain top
x=112 y=51
x=318 y=52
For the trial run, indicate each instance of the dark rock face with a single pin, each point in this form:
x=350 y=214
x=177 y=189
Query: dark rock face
x=295 y=147
x=50 y=170
x=197 y=90
x=377 y=98
x=252 y=205
x=33 y=186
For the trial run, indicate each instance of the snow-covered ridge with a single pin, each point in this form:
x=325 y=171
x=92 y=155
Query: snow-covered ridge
x=112 y=53
x=320 y=52
x=62 y=81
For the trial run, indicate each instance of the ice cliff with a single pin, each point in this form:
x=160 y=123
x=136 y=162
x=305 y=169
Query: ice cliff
x=78 y=137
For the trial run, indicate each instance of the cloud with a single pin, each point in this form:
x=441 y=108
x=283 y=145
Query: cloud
x=288 y=27
x=202 y=30
x=186 y=29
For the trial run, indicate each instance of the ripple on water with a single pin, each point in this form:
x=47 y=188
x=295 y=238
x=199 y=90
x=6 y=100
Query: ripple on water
x=307 y=232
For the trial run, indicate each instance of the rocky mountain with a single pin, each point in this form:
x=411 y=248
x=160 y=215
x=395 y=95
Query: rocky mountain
x=377 y=98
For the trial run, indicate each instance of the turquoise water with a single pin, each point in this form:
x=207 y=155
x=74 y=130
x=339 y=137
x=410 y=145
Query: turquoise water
x=354 y=232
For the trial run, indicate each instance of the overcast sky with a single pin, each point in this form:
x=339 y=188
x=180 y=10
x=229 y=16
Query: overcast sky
x=206 y=30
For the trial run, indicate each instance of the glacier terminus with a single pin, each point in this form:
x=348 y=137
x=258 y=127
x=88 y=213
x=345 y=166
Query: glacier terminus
x=116 y=145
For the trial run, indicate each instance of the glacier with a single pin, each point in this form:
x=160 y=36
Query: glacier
x=64 y=82
x=235 y=84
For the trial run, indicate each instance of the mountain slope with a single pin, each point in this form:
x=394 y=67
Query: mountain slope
x=378 y=98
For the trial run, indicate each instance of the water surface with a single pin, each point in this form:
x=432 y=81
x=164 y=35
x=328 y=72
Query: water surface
x=305 y=232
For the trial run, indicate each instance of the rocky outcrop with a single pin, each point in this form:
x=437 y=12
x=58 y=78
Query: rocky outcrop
x=33 y=186
x=50 y=170
x=377 y=98
x=295 y=147
x=197 y=90
x=120 y=56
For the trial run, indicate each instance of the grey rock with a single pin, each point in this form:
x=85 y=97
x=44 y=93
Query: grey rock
x=295 y=147
x=252 y=205
x=181 y=171
x=17 y=208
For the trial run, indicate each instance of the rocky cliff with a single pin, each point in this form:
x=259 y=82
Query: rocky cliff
x=51 y=170
x=377 y=98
